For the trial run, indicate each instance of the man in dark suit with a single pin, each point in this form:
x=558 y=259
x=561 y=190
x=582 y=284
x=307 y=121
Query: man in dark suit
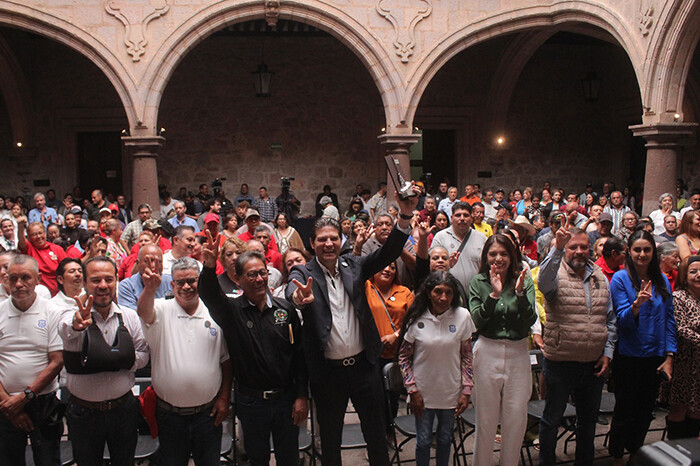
x=341 y=341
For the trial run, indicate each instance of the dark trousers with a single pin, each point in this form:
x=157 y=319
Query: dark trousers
x=45 y=437
x=636 y=388
x=260 y=418
x=564 y=378
x=180 y=436
x=362 y=384
x=89 y=429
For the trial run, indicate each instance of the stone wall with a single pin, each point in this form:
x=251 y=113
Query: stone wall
x=325 y=111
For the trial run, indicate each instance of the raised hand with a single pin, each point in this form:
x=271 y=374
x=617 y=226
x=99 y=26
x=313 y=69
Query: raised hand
x=520 y=284
x=365 y=235
x=407 y=206
x=210 y=250
x=496 y=282
x=151 y=275
x=562 y=237
x=303 y=295
x=644 y=292
x=424 y=229
x=83 y=316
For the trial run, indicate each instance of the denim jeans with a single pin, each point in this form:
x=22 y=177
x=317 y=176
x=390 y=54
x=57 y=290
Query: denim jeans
x=260 y=418
x=89 y=429
x=181 y=436
x=45 y=438
x=424 y=436
x=564 y=378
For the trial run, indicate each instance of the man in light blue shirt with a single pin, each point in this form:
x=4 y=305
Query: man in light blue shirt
x=41 y=213
x=131 y=288
x=181 y=218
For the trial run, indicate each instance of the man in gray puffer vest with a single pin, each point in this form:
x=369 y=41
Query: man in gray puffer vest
x=579 y=340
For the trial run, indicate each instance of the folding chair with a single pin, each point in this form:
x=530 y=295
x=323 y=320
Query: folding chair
x=66 y=454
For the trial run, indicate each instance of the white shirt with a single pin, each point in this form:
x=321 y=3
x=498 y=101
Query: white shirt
x=437 y=362
x=345 y=339
x=685 y=209
x=41 y=291
x=469 y=260
x=26 y=339
x=186 y=354
x=64 y=302
x=104 y=386
x=658 y=216
x=169 y=260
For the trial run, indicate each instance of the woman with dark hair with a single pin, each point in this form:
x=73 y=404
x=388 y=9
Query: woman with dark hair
x=683 y=419
x=646 y=344
x=354 y=209
x=502 y=304
x=230 y=225
x=388 y=301
x=290 y=258
x=286 y=235
x=435 y=357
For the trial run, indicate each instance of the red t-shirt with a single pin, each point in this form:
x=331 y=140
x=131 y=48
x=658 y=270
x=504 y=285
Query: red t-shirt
x=274 y=258
x=48 y=259
x=245 y=237
x=74 y=252
x=607 y=271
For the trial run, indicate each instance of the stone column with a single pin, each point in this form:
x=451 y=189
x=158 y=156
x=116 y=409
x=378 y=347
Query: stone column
x=398 y=146
x=664 y=143
x=144 y=150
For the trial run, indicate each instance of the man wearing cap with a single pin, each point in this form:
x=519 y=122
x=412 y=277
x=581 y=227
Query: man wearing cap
x=211 y=224
x=30 y=360
x=213 y=207
x=134 y=228
x=183 y=246
x=41 y=213
x=190 y=365
x=252 y=221
x=603 y=229
x=180 y=218
x=329 y=210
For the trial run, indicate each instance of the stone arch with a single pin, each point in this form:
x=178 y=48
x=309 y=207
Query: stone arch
x=670 y=60
x=327 y=18
x=559 y=15
x=54 y=28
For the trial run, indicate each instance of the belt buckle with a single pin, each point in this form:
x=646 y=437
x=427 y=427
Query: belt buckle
x=187 y=411
x=347 y=362
x=269 y=394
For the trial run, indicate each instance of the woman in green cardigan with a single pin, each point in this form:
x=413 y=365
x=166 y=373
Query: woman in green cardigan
x=502 y=305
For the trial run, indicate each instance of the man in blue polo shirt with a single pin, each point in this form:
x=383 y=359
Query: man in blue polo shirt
x=181 y=218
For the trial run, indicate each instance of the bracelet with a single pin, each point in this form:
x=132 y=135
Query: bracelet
x=404 y=216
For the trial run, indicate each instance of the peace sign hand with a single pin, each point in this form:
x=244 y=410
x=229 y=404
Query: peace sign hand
x=210 y=250
x=83 y=317
x=364 y=236
x=644 y=292
x=303 y=295
x=151 y=275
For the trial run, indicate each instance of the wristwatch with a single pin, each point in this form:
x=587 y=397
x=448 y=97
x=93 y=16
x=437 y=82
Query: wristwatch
x=29 y=393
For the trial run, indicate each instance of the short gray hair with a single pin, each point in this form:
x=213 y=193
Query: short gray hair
x=38 y=195
x=23 y=259
x=664 y=196
x=666 y=249
x=185 y=263
x=179 y=203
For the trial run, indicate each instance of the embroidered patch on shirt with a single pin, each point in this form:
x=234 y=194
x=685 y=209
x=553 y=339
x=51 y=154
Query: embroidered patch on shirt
x=281 y=316
x=453 y=328
x=41 y=323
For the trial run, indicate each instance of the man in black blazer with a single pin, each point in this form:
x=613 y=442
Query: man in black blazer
x=341 y=341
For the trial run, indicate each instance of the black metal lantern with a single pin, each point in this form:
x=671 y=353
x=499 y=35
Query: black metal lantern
x=262 y=79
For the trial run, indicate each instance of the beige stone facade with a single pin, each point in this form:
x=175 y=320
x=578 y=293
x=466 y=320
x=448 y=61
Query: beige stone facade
x=376 y=70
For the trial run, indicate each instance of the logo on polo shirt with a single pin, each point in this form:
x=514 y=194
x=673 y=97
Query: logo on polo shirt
x=52 y=256
x=453 y=328
x=41 y=323
x=212 y=331
x=281 y=316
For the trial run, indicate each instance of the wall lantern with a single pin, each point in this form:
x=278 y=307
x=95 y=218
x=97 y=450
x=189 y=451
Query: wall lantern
x=261 y=79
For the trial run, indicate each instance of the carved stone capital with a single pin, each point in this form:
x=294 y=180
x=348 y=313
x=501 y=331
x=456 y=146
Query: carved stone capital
x=272 y=12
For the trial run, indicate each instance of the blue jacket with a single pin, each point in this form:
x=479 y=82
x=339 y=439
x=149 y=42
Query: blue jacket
x=653 y=331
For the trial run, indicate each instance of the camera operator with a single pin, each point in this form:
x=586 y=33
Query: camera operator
x=287 y=203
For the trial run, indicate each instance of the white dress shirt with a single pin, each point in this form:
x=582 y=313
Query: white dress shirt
x=104 y=386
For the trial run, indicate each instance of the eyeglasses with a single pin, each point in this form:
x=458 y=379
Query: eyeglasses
x=182 y=281
x=262 y=273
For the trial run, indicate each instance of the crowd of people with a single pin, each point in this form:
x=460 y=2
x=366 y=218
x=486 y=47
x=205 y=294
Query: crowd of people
x=218 y=295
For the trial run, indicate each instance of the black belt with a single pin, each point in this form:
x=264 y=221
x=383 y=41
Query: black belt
x=189 y=411
x=102 y=405
x=347 y=362
x=262 y=394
